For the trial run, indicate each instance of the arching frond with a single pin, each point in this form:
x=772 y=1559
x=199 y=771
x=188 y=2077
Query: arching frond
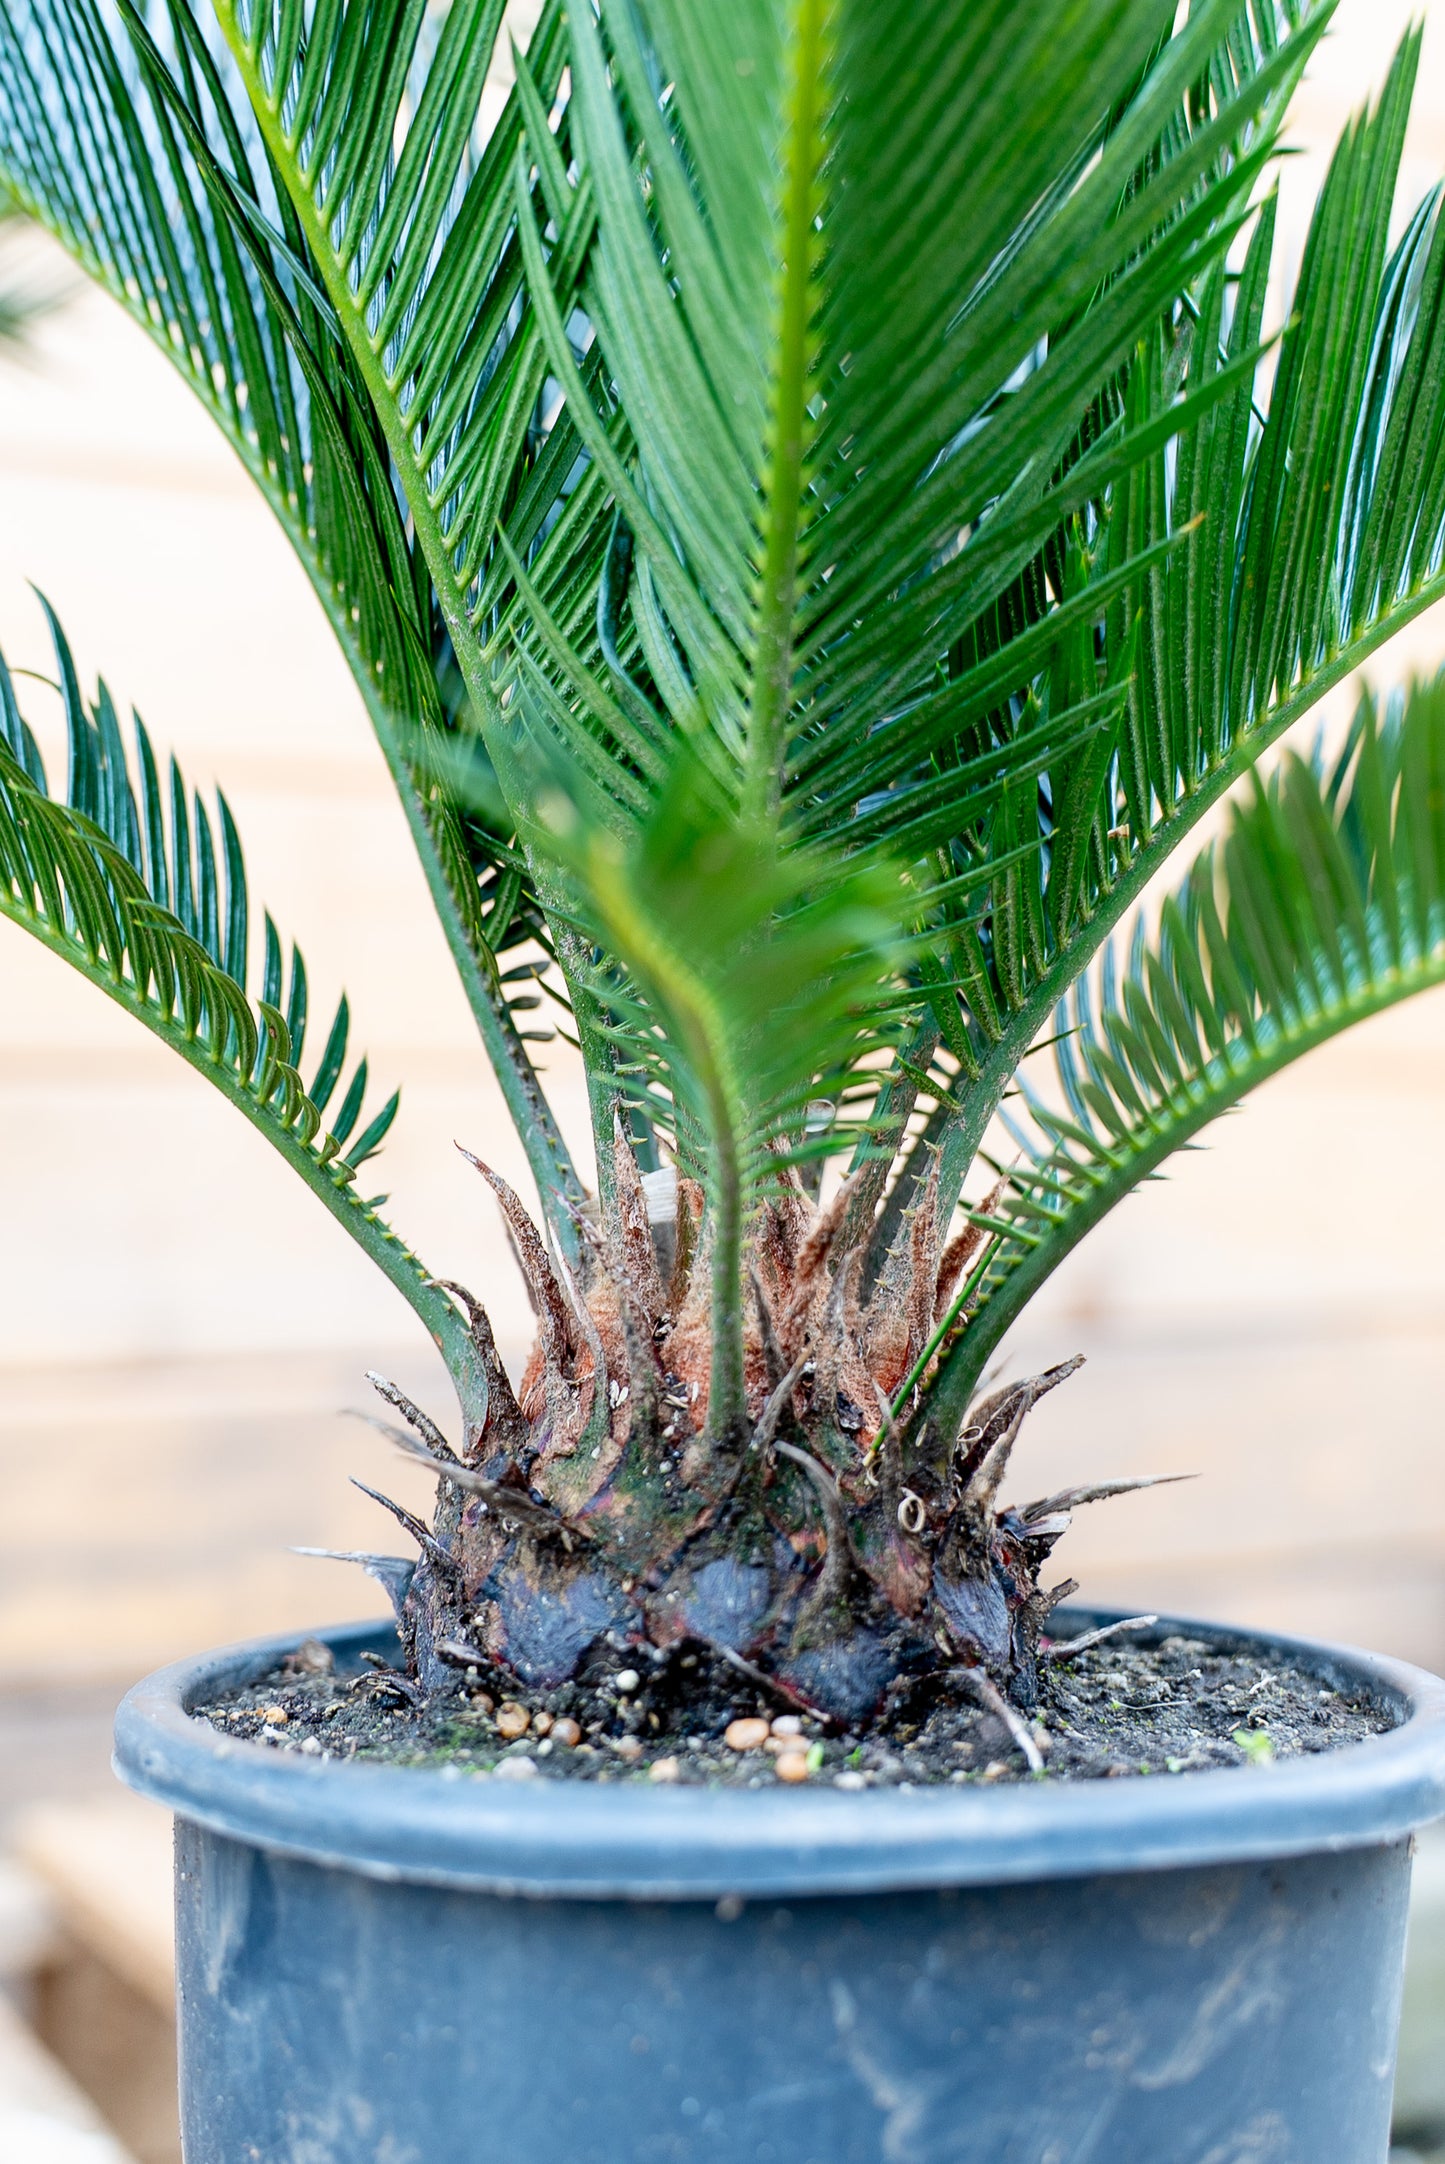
x=128 y=879
x=1270 y=553
x=141 y=154
x=846 y=447
x=1324 y=904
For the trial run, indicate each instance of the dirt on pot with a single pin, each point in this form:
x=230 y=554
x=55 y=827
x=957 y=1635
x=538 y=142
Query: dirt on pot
x=1114 y=1710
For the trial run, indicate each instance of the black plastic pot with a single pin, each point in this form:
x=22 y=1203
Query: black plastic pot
x=384 y=1966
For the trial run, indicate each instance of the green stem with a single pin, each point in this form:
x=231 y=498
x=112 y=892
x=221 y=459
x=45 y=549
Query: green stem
x=547 y=1154
x=700 y=1034
x=727 y=1396
x=597 y=1059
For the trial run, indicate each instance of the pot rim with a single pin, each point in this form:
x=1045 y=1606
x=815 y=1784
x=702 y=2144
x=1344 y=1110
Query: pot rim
x=581 y=1840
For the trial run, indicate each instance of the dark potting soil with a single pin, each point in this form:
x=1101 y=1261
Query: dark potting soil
x=1116 y=1709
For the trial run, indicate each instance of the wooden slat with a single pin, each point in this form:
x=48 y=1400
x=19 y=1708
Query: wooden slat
x=44 y=2117
x=107 y=1867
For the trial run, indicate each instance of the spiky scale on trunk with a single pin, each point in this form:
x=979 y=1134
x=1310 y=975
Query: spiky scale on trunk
x=825 y=1553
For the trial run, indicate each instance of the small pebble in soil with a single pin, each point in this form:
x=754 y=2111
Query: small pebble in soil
x=566 y=1732
x=793 y=1766
x=665 y=1770
x=745 y=1735
x=513 y=1720
x=627 y=1681
x=516 y=1769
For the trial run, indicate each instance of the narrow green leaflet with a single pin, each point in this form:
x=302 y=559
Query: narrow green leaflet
x=128 y=880
x=1324 y=904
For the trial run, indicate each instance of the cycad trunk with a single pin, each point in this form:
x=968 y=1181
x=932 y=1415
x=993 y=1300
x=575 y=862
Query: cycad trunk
x=595 y=1508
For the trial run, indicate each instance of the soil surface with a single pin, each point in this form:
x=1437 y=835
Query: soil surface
x=1116 y=1709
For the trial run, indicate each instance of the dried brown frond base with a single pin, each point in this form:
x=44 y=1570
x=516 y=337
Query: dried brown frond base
x=830 y=1544
x=1115 y=1709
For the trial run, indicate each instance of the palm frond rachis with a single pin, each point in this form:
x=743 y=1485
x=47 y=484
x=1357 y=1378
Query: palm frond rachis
x=801 y=503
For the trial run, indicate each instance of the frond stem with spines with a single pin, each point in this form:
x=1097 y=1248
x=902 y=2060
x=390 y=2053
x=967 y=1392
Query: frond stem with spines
x=703 y=1031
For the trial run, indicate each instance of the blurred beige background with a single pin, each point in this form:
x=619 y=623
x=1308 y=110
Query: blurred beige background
x=181 y=1325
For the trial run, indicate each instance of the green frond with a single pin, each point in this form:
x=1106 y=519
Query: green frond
x=401 y=207
x=131 y=138
x=1236 y=578
x=123 y=878
x=802 y=499
x=374 y=128
x=811 y=526
x=827 y=460
x=842 y=452
x=1324 y=905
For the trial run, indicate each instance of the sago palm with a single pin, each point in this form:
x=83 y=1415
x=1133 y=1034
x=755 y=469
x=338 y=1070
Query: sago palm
x=816 y=521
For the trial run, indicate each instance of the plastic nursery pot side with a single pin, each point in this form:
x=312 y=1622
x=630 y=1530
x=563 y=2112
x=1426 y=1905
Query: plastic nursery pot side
x=1193 y=1969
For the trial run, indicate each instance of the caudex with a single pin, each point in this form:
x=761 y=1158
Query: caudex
x=817 y=513
x=832 y=1546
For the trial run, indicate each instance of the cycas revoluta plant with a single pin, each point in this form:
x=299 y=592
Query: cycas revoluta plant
x=816 y=523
